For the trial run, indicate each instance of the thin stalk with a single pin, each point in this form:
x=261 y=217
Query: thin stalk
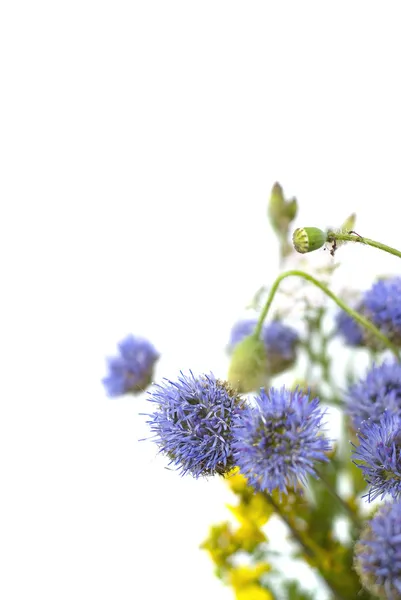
x=298 y=537
x=352 y=313
x=295 y=533
x=354 y=237
x=354 y=518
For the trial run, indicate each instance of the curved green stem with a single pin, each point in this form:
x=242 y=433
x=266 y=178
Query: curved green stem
x=352 y=313
x=353 y=237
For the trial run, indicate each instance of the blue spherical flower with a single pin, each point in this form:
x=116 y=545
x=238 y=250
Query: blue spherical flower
x=349 y=329
x=380 y=390
x=278 y=441
x=132 y=370
x=241 y=330
x=382 y=304
x=378 y=553
x=280 y=342
x=193 y=422
x=379 y=455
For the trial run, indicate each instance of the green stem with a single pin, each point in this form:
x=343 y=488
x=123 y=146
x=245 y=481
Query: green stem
x=295 y=533
x=352 y=313
x=354 y=518
x=298 y=537
x=352 y=237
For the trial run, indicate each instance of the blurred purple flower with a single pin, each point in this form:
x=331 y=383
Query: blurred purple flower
x=380 y=390
x=132 y=370
x=280 y=342
x=351 y=332
x=378 y=553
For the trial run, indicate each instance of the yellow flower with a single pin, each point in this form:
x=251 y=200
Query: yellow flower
x=253 y=592
x=257 y=510
x=248 y=537
x=221 y=543
x=243 y=576
x=236 y=481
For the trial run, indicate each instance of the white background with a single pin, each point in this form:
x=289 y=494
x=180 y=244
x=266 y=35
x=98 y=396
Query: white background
x=139 y=143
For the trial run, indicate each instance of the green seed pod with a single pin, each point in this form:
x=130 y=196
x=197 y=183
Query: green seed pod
x=308 y=239
x=248 y=367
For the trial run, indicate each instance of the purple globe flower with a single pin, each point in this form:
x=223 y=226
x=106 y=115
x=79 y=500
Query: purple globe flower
x=132 y=370
x=193 y=423
x=277 y=442
x=378 y=553
x=241 y=330
x=382 y=304
x=351 y=332
x=280 y=342
x=380 y=390
x=379 y=456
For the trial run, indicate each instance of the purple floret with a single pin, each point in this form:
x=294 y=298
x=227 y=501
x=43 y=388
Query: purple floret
x=379 y=456
x=349 y=329
x=378 y=553
x=132 y=370
x=280 y=342
x=380 y=390
x=278 y=442
x=192 y=423
x=382 y=304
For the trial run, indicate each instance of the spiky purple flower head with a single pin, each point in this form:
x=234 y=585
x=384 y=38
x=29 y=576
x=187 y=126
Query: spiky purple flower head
x=379 y=456
x=378 y=553
x=380 y=390
x=193 y=421
x=280 y=342
x=382 y=304
x=132 y=370
x=278 y=441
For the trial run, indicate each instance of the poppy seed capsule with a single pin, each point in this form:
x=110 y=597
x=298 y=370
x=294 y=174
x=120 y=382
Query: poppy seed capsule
x=308 y=239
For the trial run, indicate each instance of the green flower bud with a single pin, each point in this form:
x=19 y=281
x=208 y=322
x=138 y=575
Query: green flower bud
x=280 y=211
x=349 y=223
x=308 y=239
x=248 y=367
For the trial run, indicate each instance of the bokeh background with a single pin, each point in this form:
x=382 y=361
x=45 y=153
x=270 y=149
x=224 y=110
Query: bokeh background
x=139 y=143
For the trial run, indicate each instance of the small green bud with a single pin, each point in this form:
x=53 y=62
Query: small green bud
x=280 y=211
x=308 y=239
x=248 y=367
x=349 y=223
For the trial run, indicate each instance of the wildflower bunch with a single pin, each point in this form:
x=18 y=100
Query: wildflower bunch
x=268 y=439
